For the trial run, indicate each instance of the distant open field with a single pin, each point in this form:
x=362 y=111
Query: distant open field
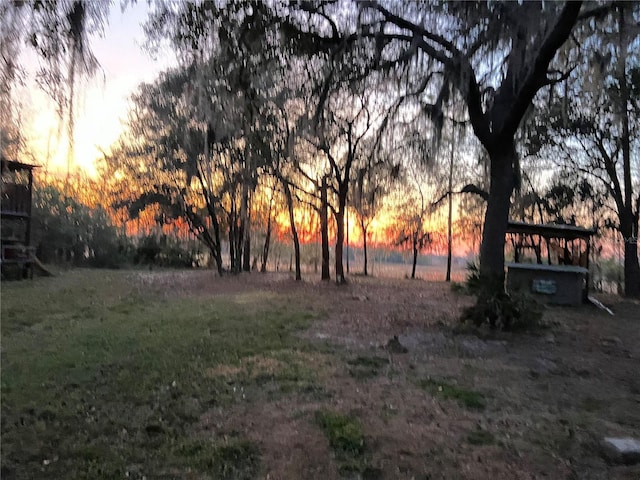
x=433 y=273
x=381 y=269
x=181 y=374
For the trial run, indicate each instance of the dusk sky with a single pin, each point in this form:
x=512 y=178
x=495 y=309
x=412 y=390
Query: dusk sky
x=102 y=102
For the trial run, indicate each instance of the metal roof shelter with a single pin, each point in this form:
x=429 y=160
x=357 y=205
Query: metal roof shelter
x=551 y=230
x=560 y=273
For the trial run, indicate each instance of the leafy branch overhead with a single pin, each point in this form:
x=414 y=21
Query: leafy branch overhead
x=331 y=107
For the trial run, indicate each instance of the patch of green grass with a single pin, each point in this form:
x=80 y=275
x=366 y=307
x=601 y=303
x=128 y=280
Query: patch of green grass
x=346 y=439
x=468 y=398
x=228 y=459
x=363 y=368
x=481 y=437
x=343 y=431
x=280 y=373
x=235 y=460
x=101 y=377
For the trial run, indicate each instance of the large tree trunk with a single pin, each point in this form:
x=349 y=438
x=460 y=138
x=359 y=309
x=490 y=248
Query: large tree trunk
x=324 y=229
x=629 y=231
x=628 y=221
x=497 y=214
x=631 y=269
x=450 y=216
x=294 y=230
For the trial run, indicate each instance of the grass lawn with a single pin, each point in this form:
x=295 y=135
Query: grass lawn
x=180 y=374
x=104 y=379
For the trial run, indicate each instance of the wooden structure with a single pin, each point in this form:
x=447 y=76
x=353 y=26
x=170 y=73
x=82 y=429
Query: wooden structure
x=15 y=212
x=558 y=270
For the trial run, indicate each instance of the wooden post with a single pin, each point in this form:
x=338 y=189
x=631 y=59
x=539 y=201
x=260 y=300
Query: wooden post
x=588 y=278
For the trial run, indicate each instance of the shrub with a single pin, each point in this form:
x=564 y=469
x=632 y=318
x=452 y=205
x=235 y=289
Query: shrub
x=162 y=251
x=147 y=251
x=504 y=311
x=472 y=283
x=65 y=230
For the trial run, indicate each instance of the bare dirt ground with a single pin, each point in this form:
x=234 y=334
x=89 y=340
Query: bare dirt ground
x=549 y=397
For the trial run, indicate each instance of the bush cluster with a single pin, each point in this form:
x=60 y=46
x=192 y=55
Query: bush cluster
x=497 y=308
x=65 y=231
x=504 y=311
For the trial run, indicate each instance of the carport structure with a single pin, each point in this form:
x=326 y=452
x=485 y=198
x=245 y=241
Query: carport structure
x=557 y=271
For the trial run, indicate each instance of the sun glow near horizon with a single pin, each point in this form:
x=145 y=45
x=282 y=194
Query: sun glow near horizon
x=101 y=108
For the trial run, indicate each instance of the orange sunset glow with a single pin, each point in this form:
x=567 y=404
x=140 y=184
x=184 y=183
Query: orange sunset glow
x=101 y=111
x=326 y=239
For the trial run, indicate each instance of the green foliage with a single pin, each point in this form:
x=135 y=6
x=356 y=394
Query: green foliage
x=611 y=270
x=501 y=310
x=344 y=432
x=120 y=375
x=65 y=230
x=559 y=203
x=472 y=283
x=346 y=438
x=468 y=398
x=162 y=251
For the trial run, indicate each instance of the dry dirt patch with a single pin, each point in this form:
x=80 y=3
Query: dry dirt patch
x=550 y=396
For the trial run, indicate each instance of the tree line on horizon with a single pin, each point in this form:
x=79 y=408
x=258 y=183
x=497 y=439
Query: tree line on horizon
x=526 y=111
